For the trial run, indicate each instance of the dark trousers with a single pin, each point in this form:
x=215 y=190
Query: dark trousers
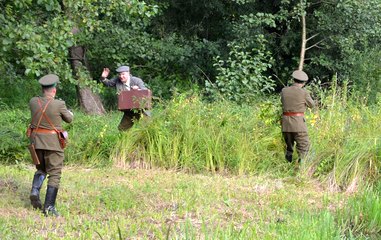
x=128 y=119
x=51 y=163
x=302 y=144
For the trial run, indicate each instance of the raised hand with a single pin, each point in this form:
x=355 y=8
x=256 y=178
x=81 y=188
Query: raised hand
x=105 y=72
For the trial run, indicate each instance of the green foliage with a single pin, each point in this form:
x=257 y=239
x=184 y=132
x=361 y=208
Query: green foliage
x=240 y=46
x=36 y=36
x=347 y=146
x=197 y=20
x=241 y=77
x=15 y=91
x=28 y=46
x=91 y=139
x=13 y=136
x=366 y=74
x=350 y=28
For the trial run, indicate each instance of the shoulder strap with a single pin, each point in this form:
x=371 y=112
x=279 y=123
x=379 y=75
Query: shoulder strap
x=35 y=115
x=42 y=110
x=46 y=117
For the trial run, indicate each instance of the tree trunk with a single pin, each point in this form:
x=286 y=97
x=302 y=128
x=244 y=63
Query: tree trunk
x=89 y=102
x=304 y=43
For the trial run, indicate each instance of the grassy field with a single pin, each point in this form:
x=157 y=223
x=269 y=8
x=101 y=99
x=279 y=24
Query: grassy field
x=118 y=203
x=197 y=170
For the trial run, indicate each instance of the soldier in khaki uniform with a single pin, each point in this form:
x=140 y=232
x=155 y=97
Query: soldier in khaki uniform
x=295 y=100
x=124 y=82
x=47 y=115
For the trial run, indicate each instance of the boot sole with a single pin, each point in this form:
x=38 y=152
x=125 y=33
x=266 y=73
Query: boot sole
x=36 y=202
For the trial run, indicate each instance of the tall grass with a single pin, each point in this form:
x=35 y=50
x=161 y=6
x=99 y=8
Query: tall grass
x=91 y=138
x=346 y=140
x=362 y=218
x=221 y=137
x=189 y=134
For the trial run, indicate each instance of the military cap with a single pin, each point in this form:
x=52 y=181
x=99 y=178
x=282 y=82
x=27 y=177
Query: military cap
x=123 y=69
x=300 y=75
x=49 y=80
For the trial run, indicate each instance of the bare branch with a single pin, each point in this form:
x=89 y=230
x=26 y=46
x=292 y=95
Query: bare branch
x=313 y=36
x=315 y=45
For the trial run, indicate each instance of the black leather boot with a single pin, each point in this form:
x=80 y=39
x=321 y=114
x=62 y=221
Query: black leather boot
x=34 y=197
x=50 y=201
x=289 y=158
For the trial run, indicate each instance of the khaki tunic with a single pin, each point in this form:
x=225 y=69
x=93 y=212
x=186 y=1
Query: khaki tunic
x=56 y=112
x=295 y=99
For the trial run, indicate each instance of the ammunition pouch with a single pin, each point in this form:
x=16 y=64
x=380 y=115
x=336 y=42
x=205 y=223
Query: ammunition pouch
x=63 y=138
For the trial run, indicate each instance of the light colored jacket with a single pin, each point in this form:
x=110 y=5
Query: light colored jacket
x=115 y=82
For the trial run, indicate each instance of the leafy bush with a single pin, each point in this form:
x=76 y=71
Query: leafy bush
x=15 y=91
x=13 y=142
x=241 y=77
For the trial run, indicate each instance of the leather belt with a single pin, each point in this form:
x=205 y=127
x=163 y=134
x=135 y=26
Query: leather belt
x=293 y=114
x=44 y=130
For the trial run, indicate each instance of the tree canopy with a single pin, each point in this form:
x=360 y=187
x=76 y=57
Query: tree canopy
x=237 y=49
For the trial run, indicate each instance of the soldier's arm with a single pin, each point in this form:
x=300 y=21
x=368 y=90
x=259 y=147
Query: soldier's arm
x=66 y=115
x=309 y=101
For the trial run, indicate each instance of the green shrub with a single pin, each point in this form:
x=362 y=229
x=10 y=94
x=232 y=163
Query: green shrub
x=241 y=77
x=13 y=136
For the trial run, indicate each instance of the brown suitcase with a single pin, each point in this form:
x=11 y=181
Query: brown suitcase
x=134 y=99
